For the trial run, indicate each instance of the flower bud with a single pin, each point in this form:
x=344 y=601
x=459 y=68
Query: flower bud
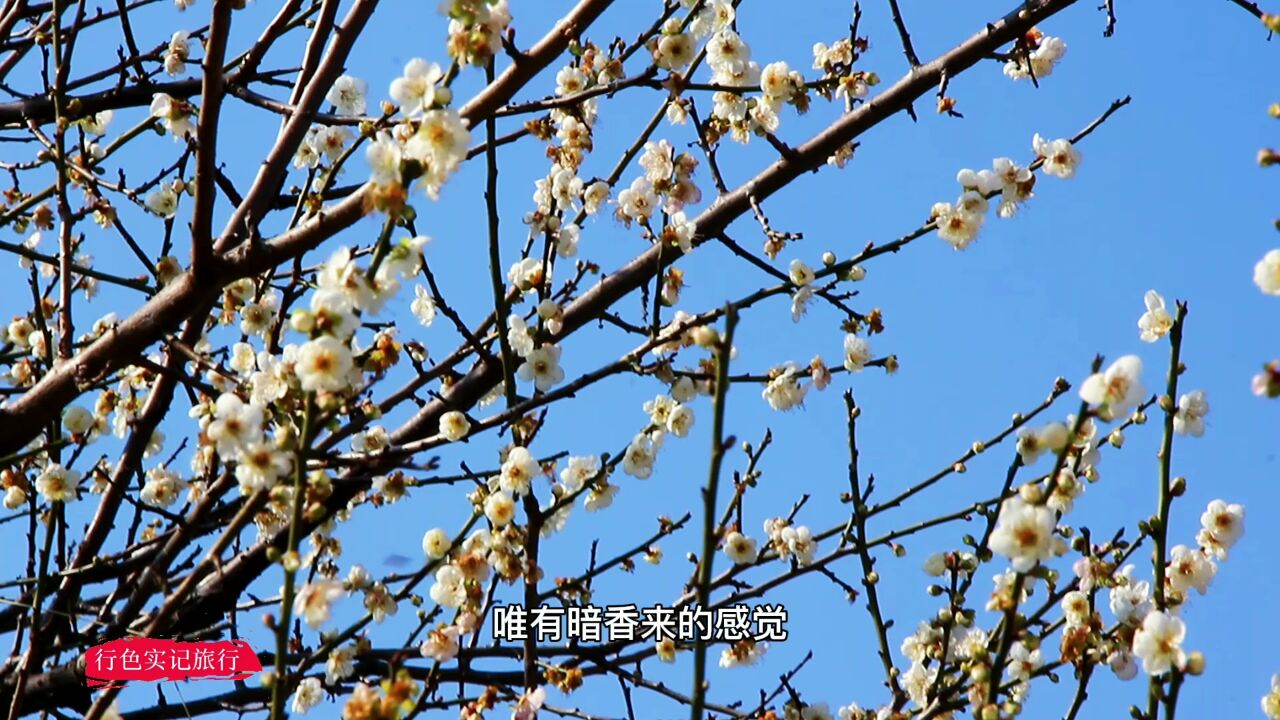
x=1031 y=493
x=302 y=321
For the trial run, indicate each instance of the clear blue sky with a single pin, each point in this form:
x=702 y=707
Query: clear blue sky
x=1168 y=197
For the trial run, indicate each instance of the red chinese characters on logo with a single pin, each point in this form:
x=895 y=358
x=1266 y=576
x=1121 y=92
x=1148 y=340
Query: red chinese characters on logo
x=134 y=658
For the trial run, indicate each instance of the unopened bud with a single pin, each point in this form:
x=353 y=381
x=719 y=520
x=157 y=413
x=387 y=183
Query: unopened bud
x=302 y=321
x=1195 y=663
x=1031 y=493
x=706 y=337
x=1116 y=438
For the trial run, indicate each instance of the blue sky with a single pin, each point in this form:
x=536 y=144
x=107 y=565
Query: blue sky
x=1168 y=197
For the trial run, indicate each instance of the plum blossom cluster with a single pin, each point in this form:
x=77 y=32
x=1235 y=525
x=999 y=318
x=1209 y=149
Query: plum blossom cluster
x=668 y=184
x=426 y=146
x=958 y=223
x=1034 y=56
x=475 y=29
x=786 y=388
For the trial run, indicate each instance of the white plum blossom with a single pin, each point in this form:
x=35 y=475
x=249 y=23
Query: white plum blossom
x=348 y=95
x=175 y=56
x=857 y=352
x=680 y=420
x=578 y=471
x=340 y=664
x=1023 y=533
x=528 y=273
x=449 y=589
x=1040 y=62
x=423 y=306
x=441 y=644
x=740 y=548
x=162 y=201
x=1060 y=157
x=1190 y=568
x=380 y=603
x=324 y=363
x=1221 y=525
x=784 y=391
x=415 y=89
x=594 y=196
x=1158 y=643
x=436 y=543
x=638 y=201
x=384 y=156
x=1075 y=608
x=776 y=82
x=500 y=509
x=640 y=456
x=518 y=471
x=673 y=51
x=1156 y=322
x=800 y=302
x=570 y=81
x=1033 y=443
x=680 y=232
x=956 y=225
x=1266 y=273
x=1023 y=661
x=1130 y=600
x=800 y=273
x=799 y=543
x=235 y=424
x=1188 y=419
x=260 y=466
x=162 y=487
x=1118 y=388
x=307 y=695
x=727 y=53
x=742 y=653
x=440 y=146
x=314 y=600
x=175 y=114
x=358 y=578
x=567 y=240
x=58 y=484
x=542 y=367
x=1271 y=701
x=600 y=497
x=454 y=425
